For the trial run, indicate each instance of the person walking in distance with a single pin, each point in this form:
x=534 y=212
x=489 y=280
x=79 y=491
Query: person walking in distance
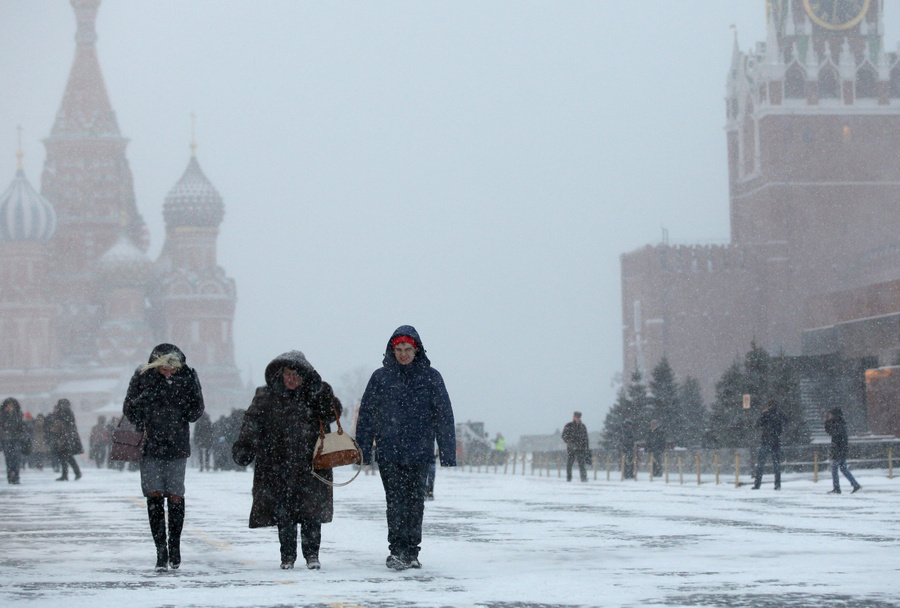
x=770 y=424
x=163 y=398
x=840 y=449
x=279 y=431
x=575 y=436
x=204 y=439
x=12 y=437
x=404 y=410
x=66 y=441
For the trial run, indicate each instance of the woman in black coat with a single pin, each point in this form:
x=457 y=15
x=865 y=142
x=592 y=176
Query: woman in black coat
x=163 y=397
x=66 y=441
x=840 y=449
x=279 y=432
x=12 y=437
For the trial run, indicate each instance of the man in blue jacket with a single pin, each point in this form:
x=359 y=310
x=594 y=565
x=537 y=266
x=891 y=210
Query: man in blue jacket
x=404 y=410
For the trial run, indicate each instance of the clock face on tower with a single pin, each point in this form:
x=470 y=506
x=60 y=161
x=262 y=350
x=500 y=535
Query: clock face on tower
x=836 y=14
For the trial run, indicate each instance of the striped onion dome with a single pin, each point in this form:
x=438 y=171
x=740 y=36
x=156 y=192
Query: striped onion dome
x=124 y=263
x=25 y=215
x=193 y=201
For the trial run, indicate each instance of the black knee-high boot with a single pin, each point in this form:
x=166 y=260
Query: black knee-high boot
x=156 y=512
x=176 y=523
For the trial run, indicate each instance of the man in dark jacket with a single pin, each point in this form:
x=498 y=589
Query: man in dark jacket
x=279 y=431
x=163 y=397
x=840 y=448
x=577 y=446
x=404 y=410
x=12 y=437
x=770 y=424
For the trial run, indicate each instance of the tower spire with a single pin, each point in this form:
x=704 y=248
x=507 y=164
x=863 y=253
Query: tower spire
x=193 y=137
x=19 y=153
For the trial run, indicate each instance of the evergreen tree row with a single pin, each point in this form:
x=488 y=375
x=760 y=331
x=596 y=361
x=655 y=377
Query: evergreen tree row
x=679 y=407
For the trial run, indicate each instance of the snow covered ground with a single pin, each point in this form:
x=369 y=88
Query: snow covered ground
x=491 y=540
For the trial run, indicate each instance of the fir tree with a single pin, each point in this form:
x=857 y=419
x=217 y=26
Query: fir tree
x=692 y=415
x=663 y=399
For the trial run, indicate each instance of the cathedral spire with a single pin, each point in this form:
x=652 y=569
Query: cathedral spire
x=85 y=107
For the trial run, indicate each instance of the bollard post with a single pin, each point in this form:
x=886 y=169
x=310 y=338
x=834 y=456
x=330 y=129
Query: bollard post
x=524 y=455
x=594 y=464
x=559 y=465
x=505 y=463
x=623 y=467
x=716 y=462
x=698 y=468
x=737 y=466
x=815 y=467
x=680 y=472
x=651 y=467
x=890 y=463
x=666 y=466
x=607 y=467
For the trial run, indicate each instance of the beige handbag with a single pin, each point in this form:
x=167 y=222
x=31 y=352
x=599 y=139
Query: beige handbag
x=335 y=449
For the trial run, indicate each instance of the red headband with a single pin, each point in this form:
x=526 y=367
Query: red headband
x=401 y=339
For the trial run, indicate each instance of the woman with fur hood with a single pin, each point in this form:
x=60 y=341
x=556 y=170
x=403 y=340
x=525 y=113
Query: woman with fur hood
x=279 y=432
x=163 y=397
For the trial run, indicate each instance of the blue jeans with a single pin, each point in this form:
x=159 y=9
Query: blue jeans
x=765 y=452
x=404 y=492
x=842 y=465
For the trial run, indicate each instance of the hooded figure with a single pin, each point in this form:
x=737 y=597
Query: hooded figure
x=12 y=437
x=404 y=410
x=279 y=432
x=66 y=441
x=163 y=398
x=840 y=449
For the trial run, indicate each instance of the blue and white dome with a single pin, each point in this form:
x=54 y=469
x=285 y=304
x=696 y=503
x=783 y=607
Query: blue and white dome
x=193 y=201
x=25 y=215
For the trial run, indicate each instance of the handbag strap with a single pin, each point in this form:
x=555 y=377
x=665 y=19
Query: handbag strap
x=322 y=430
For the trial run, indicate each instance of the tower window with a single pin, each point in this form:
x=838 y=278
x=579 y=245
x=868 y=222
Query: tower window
x=866 y=83
x=829 y=85
x=795 y=82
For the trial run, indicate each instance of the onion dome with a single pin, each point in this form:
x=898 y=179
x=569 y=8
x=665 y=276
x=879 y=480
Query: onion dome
x=124 y=264
x=193 y=201
x=25 y=215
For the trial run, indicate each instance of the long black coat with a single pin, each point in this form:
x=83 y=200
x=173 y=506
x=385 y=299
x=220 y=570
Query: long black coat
x=13 y=433
x=65 y=440
x=164 y=407
x=279 y=431
x=770 y=424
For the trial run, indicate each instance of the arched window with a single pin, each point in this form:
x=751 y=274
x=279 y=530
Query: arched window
x=795 y=82
x=895 y=82
x=866 y=83
x=829 y=85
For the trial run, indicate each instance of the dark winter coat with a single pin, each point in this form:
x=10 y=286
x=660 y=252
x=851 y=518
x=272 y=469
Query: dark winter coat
x=163 y=407
x=405 y=409
x=279 y=431
x=13 y=434
x=576 y=436
x=837 y=428
x=770 y=424
x=204 y=437
x=65 y=440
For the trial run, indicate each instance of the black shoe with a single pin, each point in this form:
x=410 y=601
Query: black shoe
x=313 y=563
x=429 y=496
x=162 y=559
x=835 y=491
x=77 y=476
x=174 y=557
x=395 y=562
x=414 y=563
x=62 y=479
x=777 y=487
x=856 y=489
x=287 y=564
x=755 y=488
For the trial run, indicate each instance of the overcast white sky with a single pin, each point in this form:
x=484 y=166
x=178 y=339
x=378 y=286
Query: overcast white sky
x=472 y=168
